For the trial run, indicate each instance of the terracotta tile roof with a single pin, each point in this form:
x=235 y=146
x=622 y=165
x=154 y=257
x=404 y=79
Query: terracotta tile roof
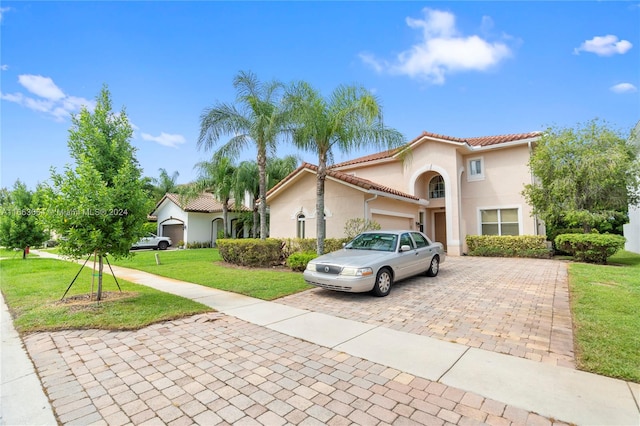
x=494 y=140
x=476 y=142
x=204 y=203
x=347 y=178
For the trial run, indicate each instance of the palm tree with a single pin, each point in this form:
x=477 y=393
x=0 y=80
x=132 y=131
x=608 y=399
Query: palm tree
x=247 y=183
x=217 y=176
x=350 y=119
x=257 y=119
x=165 y=183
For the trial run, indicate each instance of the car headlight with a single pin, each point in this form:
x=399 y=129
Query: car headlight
x=311 y=266
x=356 y=272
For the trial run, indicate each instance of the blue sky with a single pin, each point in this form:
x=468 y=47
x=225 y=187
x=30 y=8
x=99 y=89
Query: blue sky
x=462 y=69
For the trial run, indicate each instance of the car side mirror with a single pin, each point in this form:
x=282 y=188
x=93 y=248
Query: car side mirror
x=405 y=247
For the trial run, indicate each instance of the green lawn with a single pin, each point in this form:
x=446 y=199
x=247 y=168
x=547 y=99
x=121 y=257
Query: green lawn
x=13 y=254
x=605 y=301
x=33 y=287
x=204 y=266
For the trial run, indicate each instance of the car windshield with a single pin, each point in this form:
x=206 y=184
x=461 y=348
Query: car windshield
x=374 y=241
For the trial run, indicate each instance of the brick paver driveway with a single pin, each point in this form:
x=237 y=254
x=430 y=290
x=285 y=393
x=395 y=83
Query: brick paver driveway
x=514 y=306
x=214 y=369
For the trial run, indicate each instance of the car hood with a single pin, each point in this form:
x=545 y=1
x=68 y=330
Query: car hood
x=352 y=257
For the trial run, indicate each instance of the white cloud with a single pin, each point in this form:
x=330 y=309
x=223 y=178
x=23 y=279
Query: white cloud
x=604 y=46
x=165 y=139
x=442 y=50
x=624 y=88
x=4 y=67
x=41 y=86
x=49 y=98
x=2 y=11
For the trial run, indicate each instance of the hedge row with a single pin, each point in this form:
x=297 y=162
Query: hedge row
x=265 y=253
x=508 y=246
x=592 y=248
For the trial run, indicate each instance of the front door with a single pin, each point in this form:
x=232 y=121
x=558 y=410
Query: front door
x=440 y=224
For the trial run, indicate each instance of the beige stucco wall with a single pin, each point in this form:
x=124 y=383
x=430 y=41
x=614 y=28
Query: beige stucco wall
x=505 y=174
x=343 y=202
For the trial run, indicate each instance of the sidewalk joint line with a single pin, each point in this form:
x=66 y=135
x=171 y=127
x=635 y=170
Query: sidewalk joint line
x=358 y=335
x=439 y=380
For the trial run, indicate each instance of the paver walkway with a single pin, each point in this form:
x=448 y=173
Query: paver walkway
x=518 y=307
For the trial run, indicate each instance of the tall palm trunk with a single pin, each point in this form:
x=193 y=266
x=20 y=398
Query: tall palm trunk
x=262 y=185
x=320 y=221
x=225 y=218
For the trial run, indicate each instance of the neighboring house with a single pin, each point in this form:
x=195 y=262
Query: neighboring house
x=447 y=187
x=631 y=230
x=197 y=221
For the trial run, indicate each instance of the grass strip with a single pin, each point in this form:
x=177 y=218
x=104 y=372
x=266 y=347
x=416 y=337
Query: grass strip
x=205 y=267
x=605 y=301
x=32 y=289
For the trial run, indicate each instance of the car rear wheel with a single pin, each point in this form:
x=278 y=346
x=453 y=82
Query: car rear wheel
x=434 y=267
x=384 y=280
x=162 y=245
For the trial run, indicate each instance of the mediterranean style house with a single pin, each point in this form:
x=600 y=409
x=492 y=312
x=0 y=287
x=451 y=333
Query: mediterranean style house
x=445 y=186
x=196 y=221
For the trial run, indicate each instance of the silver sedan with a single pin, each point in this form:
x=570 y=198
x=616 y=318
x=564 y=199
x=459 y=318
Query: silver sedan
x=374 y=260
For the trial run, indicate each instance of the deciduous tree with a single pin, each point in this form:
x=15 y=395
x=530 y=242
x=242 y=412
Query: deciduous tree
x=99 y=206
x=19 y=224
x=584 y=176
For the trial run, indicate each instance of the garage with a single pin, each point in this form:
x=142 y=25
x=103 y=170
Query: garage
x=392 y=222
x=175 y=232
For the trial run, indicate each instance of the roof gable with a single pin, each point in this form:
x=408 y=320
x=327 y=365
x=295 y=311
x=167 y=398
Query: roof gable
x=203 y=203
x=470 y=143
x=363 y=184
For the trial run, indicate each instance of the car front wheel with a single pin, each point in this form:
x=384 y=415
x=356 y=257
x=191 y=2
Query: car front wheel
x=384 y=280
x=434 y=267
x=162 y=245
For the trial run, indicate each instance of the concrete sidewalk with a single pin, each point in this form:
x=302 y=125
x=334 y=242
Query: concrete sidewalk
x=555 y=392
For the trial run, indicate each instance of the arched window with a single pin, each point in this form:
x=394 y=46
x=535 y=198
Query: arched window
x=300 y=226
x=436 y=187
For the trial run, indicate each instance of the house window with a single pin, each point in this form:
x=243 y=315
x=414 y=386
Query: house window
x=436 y=187
x=476 y=169
x=500 y=222
x=300 y=226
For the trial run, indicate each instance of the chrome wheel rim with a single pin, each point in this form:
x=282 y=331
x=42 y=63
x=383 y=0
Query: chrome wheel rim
x=384 y=282
x=434 y=265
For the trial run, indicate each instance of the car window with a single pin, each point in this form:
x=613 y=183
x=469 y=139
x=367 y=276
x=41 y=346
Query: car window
x=420 y=240
x=380 y=242
x=405 y=239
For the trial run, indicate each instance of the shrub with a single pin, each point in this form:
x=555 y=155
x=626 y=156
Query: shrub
x=356 y=226
x=197 y=244
x=508 y=246
x=298 y=261
x=591 y=248
x=251 y=252
x=300 y=245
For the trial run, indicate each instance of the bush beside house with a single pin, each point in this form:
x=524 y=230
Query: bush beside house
x=591 y=248
x=508 y=246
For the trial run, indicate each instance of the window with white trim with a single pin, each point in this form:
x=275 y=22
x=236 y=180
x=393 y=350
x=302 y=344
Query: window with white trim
x=300 y=222
x=475 y=168
x=436 y=187
x=500 y=222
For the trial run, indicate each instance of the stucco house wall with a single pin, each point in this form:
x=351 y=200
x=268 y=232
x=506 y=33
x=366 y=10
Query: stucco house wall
x=403 y=195
x=199 y=218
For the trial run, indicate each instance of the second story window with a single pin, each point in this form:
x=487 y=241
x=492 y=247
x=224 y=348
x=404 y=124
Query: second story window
x=475 y=168
x=436 y=187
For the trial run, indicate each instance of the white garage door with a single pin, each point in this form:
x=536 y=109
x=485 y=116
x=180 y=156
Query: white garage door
x=392 y=222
